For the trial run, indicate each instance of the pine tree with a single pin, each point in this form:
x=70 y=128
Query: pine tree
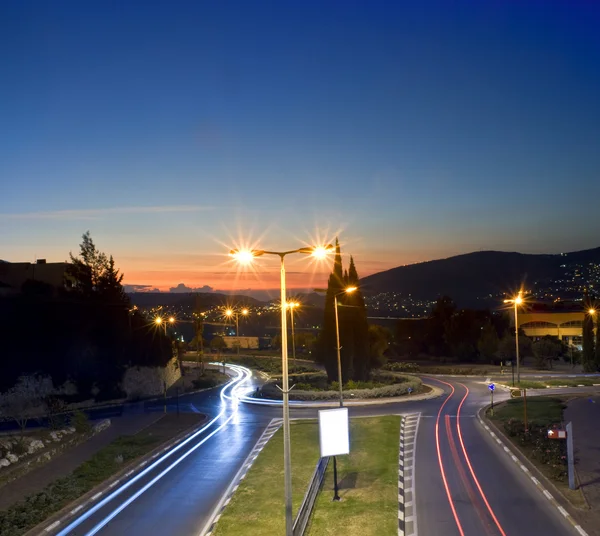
x=88 y=268
x=110 y=288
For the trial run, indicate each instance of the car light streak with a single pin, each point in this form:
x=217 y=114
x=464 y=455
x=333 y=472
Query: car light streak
x=462 y=444
x=241 y=375
x=439 y=455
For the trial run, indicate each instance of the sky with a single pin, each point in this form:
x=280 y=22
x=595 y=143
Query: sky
x=414 y=130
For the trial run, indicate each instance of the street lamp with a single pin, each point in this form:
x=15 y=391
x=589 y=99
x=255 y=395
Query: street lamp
x=160 y=321
x=292 y=306
x=347 y=290
x=229 y=313
x=517 y=301
x=246 y=257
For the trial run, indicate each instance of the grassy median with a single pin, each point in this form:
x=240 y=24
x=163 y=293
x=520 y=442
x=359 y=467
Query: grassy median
x=368 y=482
x=258 y=507
x=548 y=455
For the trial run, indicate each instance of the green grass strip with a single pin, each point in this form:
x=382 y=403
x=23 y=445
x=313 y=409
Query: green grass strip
x=258 y=506
x=368 y=479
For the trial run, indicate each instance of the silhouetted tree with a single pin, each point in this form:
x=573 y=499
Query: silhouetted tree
x=597 y=350
x=588 y=358
x=87 y=269
x=379 y=341
x=488 y=343
x=545 y=351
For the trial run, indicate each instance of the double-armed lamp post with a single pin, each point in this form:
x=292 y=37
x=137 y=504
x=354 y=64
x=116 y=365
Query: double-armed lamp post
x=517 y=301
x=229 y=313
x=247 y=257
x=160 y=321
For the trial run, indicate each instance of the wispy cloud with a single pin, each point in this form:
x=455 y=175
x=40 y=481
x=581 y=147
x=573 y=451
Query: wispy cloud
x=99 y=213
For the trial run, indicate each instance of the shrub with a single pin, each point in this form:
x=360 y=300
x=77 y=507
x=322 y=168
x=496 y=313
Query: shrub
x=400 y=387
x=80 y=421
x=401 y=367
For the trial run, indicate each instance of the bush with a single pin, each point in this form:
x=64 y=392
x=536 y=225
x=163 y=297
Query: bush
x=401 y=367
x=400 y=387
x=549 y=452
x=81 y=423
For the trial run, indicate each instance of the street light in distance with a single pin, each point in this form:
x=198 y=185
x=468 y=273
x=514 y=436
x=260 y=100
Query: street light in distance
x=517 y=300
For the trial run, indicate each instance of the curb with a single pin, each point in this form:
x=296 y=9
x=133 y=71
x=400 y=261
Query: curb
x=65 y=514
x=526 y=470
x=268 y=433
x=435 y=393
x=407 y=518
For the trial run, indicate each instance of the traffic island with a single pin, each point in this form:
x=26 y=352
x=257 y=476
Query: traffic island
x=367 y=482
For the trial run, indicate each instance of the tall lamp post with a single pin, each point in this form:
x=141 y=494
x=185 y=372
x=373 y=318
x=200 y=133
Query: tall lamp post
x=229 y=313
x=246 y=257
x=517 y=301
x=347 y=290
x=292 y=306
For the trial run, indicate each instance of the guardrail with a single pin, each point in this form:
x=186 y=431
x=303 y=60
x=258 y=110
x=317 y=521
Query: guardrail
x=310 y=496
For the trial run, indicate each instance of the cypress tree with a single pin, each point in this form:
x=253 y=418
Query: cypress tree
x=358 y=328
x=597 y=340
x=587 y=356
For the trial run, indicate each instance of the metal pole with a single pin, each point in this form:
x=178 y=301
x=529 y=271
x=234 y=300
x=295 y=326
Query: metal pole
x=570 y=456
x=512 y=367
x=293 y=337
x=287 y=456
x=517 y=343
x=336 y=497
x=339 y=357
x=492 y=395
x=525 y=408
x=237 y=331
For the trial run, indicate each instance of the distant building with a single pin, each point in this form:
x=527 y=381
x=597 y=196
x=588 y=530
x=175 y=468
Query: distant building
x=14 y=274
x=566 y=326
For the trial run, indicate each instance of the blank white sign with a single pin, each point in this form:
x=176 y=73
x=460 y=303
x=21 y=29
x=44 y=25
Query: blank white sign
x=333 y=432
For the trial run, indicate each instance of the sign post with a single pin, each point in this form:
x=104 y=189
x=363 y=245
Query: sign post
x=570 y=456
x=334 y=438
x=491 y=387
x=568 y=435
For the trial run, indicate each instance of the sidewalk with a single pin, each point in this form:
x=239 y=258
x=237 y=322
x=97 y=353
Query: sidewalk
x=584 y=413
x=68 y=461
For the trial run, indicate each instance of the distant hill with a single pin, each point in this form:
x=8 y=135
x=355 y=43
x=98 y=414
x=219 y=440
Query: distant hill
x=467 y=278
x=205 y=299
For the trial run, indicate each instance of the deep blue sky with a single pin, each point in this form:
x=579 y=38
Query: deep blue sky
x=416 y=130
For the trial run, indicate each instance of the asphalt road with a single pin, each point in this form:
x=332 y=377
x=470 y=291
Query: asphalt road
x=464 y=483
x=177 y=494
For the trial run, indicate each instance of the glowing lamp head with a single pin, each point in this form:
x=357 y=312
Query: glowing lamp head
x=518 y=300
x=229 y=312
x=321 y=252
x=243 y=256
x=592 y=311
x=158 y=320
x=350 y=290
x=245 y=312
x=172 y=320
